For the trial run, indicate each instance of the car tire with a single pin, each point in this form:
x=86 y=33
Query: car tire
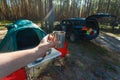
x=72 y=37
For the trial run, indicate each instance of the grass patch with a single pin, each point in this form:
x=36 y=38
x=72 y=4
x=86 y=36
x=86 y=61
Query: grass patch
x=109 y=67
x=107 y=28
x=4 y=23
x=2 y=28
x=117 y=35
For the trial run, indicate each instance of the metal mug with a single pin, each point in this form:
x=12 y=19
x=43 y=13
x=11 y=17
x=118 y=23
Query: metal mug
x=59 y=36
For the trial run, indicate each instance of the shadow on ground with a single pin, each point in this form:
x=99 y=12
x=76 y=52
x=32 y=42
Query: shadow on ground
x=109 y=42
x=86 y=61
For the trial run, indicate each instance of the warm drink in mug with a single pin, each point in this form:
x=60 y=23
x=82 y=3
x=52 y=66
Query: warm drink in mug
x=59 y=36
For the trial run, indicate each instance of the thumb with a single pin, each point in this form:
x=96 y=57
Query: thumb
x=52 y=44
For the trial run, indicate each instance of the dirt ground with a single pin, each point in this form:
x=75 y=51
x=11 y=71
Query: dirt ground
x=109 y=41
x=98 y=59
x=85 y=62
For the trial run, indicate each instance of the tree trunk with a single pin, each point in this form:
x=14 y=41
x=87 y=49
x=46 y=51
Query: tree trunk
x=108 y=4
x=99 y=5
x=51 y=15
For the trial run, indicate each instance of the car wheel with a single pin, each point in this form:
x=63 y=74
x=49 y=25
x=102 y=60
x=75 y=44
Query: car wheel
x=72 y=37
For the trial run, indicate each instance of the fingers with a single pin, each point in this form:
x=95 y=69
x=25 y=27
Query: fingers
x=47 y=38
x=53 y=44
x=49 y=41
x=50 y=38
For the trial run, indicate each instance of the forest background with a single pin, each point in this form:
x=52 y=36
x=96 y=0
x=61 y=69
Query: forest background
x=55 y=10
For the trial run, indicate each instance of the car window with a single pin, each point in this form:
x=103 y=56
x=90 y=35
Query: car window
x=63 y=22
x=82 y=22
x=68 y=23
x=74 y=22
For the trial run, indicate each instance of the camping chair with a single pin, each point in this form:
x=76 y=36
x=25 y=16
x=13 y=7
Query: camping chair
x=60 y=60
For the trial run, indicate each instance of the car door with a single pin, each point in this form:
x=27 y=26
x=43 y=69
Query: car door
x=92 y=21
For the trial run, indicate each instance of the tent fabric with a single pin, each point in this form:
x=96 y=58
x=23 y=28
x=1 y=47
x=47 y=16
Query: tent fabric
x=22 y=34
x=9 y=42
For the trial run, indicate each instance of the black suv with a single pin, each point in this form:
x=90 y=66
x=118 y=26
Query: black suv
x=81 y=28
